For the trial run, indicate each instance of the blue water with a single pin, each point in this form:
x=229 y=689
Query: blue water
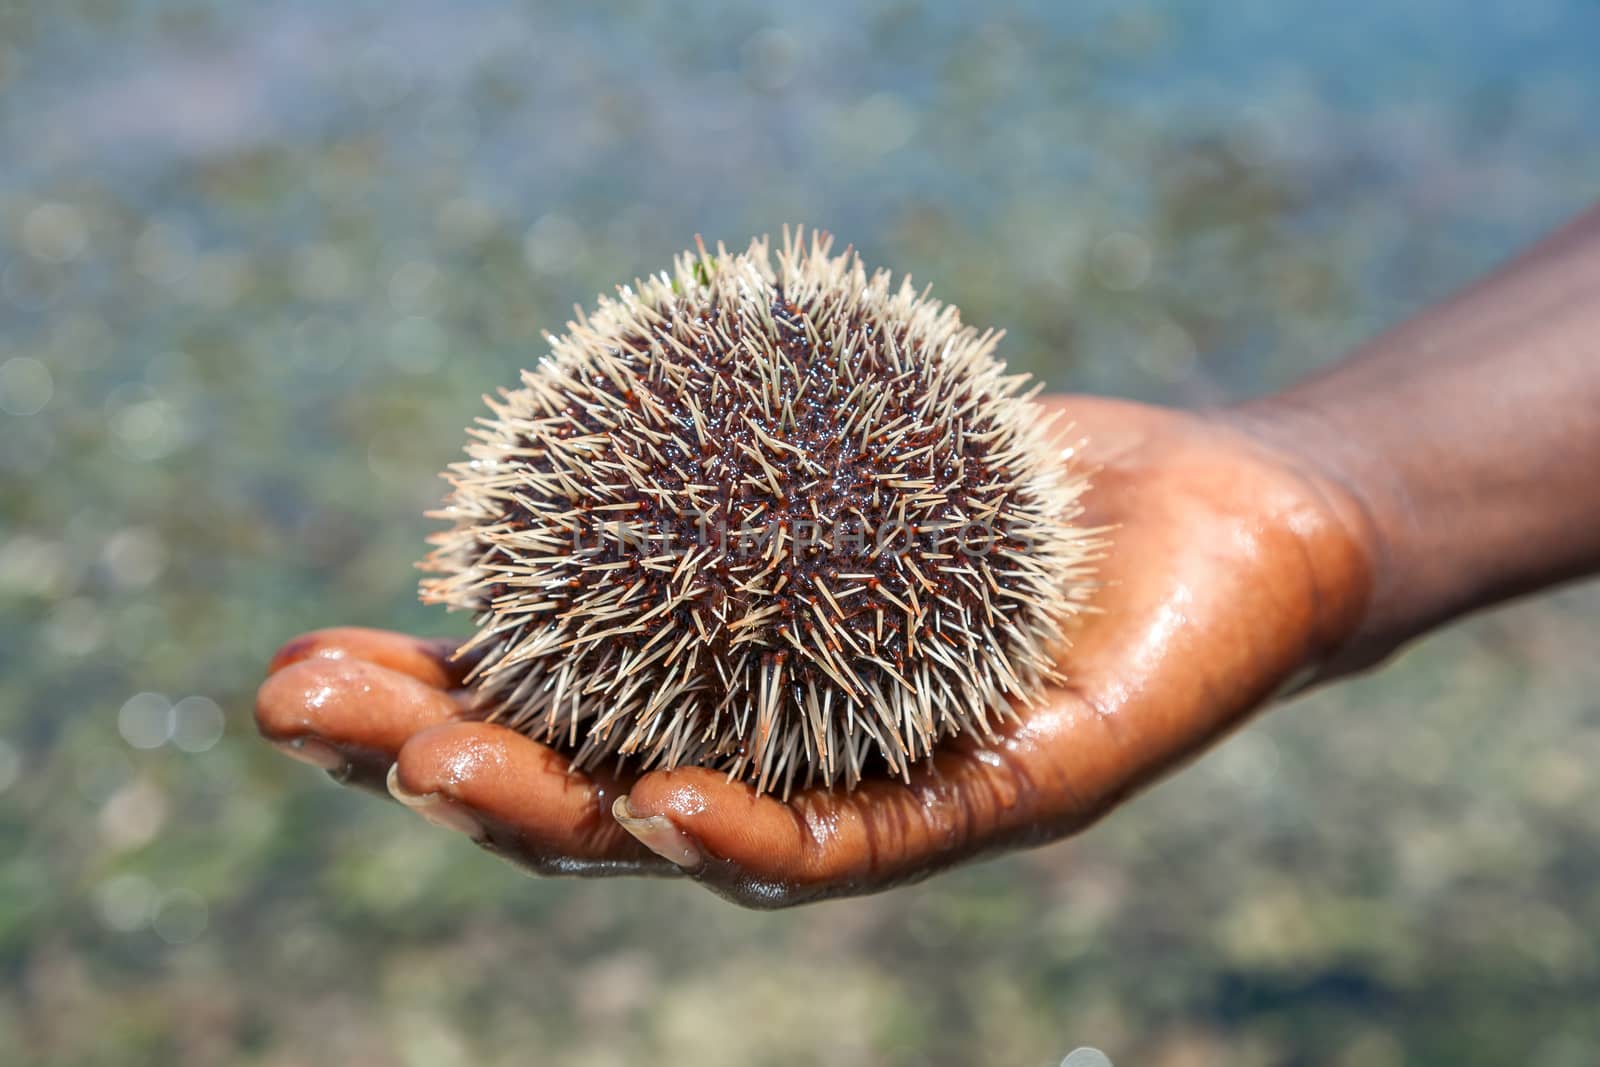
x=1446 y=136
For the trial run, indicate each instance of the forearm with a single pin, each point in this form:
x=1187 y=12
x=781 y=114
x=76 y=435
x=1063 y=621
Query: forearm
x=1470 y=436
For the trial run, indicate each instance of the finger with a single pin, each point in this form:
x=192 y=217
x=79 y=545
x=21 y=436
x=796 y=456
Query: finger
x=348 y=716
x=427 y=659
x=764 y=852
x=518 y=798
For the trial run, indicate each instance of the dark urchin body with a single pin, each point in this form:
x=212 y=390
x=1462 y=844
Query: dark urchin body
x=782 y=519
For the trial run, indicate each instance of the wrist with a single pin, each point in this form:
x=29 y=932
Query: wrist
x=1351 y=548
x=1462 y=445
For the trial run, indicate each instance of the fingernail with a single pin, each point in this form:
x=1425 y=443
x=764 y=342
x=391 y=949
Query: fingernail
x=435 y=808
x=312 y=750
x=658 y=834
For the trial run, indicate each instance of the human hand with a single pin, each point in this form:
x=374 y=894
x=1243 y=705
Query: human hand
x=1235 y=570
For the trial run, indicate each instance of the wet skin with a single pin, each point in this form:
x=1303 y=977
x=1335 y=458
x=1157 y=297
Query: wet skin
x=1233 y=571
x=1449 y=465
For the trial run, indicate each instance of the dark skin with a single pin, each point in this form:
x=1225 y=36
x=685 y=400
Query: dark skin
x=1450 y=465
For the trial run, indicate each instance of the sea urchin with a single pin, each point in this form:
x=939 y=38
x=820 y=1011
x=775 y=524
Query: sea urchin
x=781 y=518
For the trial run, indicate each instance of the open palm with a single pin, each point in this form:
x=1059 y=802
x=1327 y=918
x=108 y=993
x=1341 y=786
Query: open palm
x=1233 y=572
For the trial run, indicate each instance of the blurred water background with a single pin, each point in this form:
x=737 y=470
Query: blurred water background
x=259 y=262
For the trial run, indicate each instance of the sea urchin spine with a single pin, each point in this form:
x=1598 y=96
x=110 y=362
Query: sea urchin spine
x=785 y=519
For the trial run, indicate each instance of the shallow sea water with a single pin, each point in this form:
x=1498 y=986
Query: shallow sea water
x=257 y=266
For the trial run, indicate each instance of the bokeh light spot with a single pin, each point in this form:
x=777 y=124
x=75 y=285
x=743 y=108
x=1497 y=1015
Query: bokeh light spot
x=134 y=557
x=412 y=287
x=198 y=724
x=1121 y=261
x=1086 y=1057
x=31 y=566
x=133 y=815
x=54 y=233
x=768 y=59
x=143 y=423
x=181 y=916
x=26 y=386
x=77 y=628
x=125 y=902
x=146 y=720
x=551 y=244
